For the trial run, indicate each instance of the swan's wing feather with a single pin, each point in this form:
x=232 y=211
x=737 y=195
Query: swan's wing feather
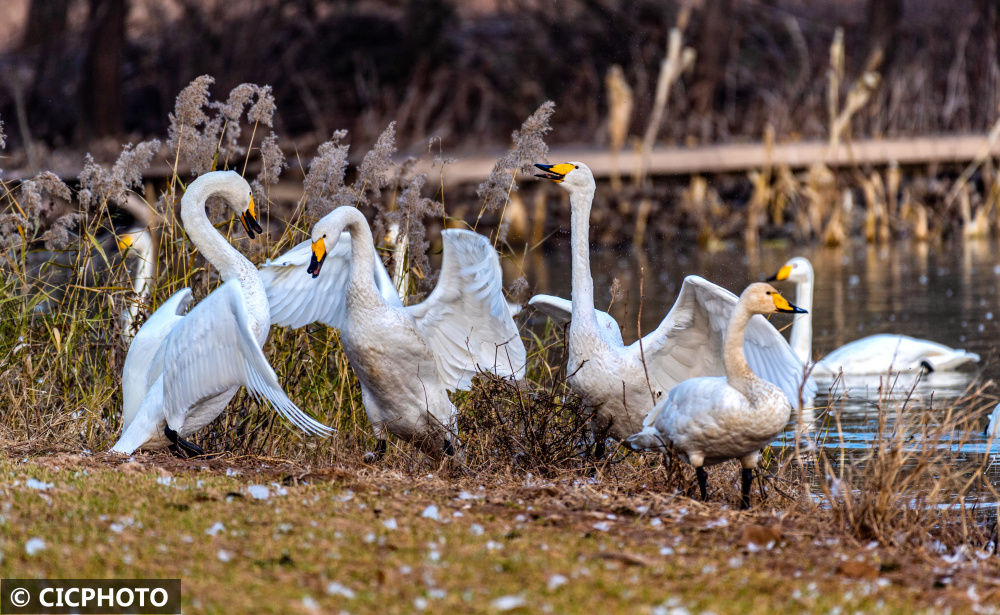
x=466 y=320
x=213 y=350
x=688 y=343
x=141 y=366
x=297 y=299
x=561 y=312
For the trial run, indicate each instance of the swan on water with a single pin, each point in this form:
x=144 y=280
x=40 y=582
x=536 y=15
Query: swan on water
x=711 y=420
x=182 y=370
x=875 y=354
x=619 y=384
x=406 y=358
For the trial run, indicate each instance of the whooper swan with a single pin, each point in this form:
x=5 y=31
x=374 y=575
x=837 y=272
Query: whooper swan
x=711 y=420
x=993 y=426
x=181 y=371
x=875 y=354
x=611 y=378
x=406 y=358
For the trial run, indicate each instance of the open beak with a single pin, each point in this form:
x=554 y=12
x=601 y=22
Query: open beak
x=318 y=256
x=782 y=274
x=782 y=305
x=555 y=172
x=249 y=220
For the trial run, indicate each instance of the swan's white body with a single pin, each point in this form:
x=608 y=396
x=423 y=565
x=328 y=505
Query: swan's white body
x=875 y=354
x=711 y=420
x=181 y=371
x=993 y=426
x=406 y=358
x=611 y=378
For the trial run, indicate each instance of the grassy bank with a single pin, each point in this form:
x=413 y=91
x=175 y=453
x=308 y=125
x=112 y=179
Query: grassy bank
x=267 y=535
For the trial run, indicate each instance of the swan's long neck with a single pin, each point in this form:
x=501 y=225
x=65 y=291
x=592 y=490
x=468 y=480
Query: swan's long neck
x=220 y=253
x=584 y=320
x=801 y=338
x=362 y=281
x=738 y=372
x=142 y=279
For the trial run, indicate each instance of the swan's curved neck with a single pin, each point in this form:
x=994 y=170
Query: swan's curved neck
x=210 y=242
x=801 y=338
x=142 y=279
x=584 y=317
x=738 y=372
x=362 y=254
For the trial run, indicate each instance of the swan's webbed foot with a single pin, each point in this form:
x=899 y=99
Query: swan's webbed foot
x=702 y=482
x=449 y=448
x=379 y=452
x=747 y=480
x=181 y=447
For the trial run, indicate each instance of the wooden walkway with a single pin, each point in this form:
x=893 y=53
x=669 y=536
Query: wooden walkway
x=673 y=161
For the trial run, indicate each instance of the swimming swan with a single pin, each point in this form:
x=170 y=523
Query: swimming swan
x=875 y=354
x=182 y=370
x=406 y=358
x=711 y=420
x=611 y=378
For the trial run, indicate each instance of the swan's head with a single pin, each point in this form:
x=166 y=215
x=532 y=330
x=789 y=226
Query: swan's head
x=139 y=241
x=325 y=235
x=762 y=298
x=572 y=176
x=796 y=270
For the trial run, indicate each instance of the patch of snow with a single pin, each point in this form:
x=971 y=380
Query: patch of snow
x=309 y=603
x=420 y=603
x=34 y=545
x=215 y=528
x=390 y=524
x=431 y=512
x=556 y=581
x=39 y=485
x=166 y=481
x=476 y=530
x=258 y=492
x=602 y=526
x=224 y=556
x=232 y=472
x=336 y=589
x=508 y=603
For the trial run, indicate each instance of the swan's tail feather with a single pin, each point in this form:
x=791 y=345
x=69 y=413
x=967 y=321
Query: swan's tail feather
x=947 y=362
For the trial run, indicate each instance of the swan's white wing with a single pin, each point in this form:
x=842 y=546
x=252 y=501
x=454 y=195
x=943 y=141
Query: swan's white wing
x=561 y=312
x=688 y=343
x=993 y=427
x=297 y=299
x=212 y=350
x=466 y=320
x=140 y=369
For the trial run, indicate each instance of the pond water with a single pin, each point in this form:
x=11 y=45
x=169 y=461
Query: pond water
x=946 y=292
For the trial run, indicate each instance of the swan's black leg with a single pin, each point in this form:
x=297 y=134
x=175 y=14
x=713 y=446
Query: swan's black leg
x=449 y=449
x=702 y=482
x=747 y=480
x=599 y=449
x=378 y=453
x=181 y=447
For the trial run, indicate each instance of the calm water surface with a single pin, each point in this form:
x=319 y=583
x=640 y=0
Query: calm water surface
x=948 y=293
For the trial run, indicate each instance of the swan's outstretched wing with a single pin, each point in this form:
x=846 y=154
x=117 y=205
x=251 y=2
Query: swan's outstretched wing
x=688 y=343
x=212 y=350
x=297 y=299
x=466 y=320
x=561 y=312
x=139 y=371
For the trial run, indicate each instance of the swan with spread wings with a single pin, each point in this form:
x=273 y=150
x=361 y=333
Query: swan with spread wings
x=182 y=370
x=406 y=358
x=619 y=384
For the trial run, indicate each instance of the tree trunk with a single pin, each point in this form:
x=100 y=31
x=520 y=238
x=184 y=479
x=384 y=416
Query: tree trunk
x=102 y=84
x=712 y=46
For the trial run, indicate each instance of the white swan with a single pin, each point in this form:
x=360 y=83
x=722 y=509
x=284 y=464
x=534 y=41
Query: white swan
x=181 y=371
x=139 y=245
x=406 y=358
x=993 y=426
x=611 y=378
x=710 y=420
x=875 y=354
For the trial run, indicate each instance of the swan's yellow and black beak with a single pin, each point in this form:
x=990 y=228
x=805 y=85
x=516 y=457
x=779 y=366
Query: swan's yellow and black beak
x=782 y=274
x=555 y=172
x=782 y=305
x=318 y=256
x=249 y=220
x=125 y=241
